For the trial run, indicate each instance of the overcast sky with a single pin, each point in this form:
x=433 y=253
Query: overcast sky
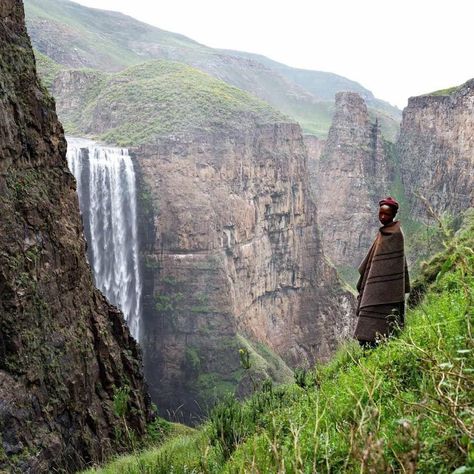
x=395 y=48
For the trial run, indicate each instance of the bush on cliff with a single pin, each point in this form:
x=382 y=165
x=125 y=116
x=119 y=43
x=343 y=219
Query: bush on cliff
x=406 y=406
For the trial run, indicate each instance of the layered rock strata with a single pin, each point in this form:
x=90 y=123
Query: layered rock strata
x=233 y=258
x=436 y=150
x=65 y=352
x=349 y=175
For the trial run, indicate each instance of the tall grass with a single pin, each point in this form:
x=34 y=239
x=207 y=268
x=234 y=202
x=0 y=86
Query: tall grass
x=406 y=406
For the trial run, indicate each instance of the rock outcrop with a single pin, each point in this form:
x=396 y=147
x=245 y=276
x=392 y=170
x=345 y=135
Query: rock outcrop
x=65 y=353
x=436 y=150
x=233 y=259
x=349 y=175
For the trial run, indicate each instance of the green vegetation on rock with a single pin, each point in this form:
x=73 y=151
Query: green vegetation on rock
x=264 y=363
x=210 y=387
x=405 y=406
x=161 y=98
x=46 y=68
x=448 y=91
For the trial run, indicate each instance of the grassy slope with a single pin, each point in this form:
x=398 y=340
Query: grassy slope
x=161 y=98
x=47 y=69
x=111 y=41
x=450 y=90
x=104 y=33
x=406 y=406
x=324 y=85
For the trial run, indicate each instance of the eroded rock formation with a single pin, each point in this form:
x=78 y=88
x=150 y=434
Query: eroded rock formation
x=350 y=173
x=64 y=351
x=436 y=150
x=233 y=254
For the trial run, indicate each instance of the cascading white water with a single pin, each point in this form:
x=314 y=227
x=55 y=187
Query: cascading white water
x=107 y=197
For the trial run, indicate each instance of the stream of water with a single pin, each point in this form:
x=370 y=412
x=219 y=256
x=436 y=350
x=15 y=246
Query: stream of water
x=107 y=198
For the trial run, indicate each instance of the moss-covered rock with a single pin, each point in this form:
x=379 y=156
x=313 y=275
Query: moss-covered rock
x=65 y=352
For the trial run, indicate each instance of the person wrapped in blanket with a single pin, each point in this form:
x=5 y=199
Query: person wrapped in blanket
x=383 y=280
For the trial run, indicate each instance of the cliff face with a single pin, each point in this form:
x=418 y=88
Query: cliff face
x=64 y=351
x=233 y=254
x=350 y=174
x=436 y=150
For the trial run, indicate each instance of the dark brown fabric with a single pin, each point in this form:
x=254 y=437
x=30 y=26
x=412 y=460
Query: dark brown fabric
x=382 y=285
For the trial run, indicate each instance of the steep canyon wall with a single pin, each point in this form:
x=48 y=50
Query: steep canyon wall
x=436 y=150
x=64 y=350
x=233 y=258
x=350 y=172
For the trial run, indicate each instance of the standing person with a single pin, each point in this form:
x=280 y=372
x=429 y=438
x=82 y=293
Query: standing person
x=383 y=280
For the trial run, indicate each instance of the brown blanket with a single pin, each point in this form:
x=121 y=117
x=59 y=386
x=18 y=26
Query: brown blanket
x=382 y=285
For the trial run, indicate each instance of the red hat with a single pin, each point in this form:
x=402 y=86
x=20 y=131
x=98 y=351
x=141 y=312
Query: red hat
x=389 y=201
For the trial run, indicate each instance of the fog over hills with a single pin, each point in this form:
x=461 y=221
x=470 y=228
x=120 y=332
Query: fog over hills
x=75 y=36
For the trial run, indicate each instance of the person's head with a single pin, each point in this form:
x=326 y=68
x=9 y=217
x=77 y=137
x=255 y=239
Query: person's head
x=388 y=209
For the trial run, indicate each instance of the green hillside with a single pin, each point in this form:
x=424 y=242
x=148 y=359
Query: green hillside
x=75 y=36
x=159 y=98
x=406 y=406
x=47 y=69
x=449 y=91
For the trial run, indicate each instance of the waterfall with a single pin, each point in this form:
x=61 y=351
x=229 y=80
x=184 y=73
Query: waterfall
x=107 y=198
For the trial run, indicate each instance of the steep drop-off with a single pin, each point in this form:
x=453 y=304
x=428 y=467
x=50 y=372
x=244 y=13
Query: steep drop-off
x=436 y=150
x=64 y=351
x=234 y=259
x=232 y=255
x=350 y=172
x=405 y=406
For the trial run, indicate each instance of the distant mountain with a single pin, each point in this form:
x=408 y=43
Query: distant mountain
x=323 y=85
x=75 y=36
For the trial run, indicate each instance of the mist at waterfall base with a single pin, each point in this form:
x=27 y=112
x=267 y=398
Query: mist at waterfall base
x=106 y=189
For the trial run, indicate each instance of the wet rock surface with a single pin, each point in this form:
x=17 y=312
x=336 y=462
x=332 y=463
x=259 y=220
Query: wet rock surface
x=64 y=350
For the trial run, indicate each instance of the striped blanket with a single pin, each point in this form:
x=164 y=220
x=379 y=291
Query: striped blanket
x=382 y=285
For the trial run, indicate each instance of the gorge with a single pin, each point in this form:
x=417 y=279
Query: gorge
x=211 y=231
x=232 y=247
x=230 y=251
x=234 y=260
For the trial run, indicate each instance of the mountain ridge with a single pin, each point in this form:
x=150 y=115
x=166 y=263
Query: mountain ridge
x=77 y=36
x=153 y=99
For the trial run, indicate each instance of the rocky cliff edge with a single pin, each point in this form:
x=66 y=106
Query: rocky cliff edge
x=65 y=353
